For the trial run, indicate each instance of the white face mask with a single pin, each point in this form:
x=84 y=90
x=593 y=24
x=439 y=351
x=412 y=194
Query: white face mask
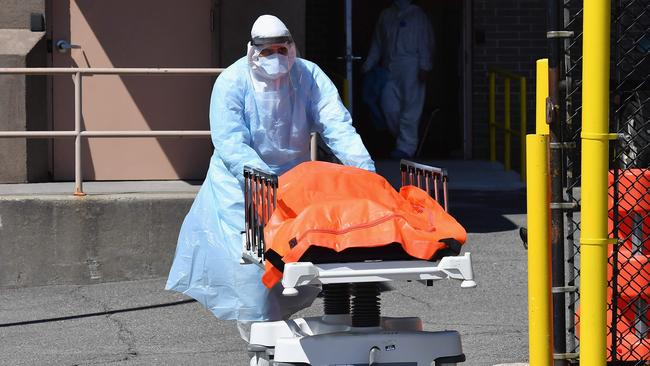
x=274 y=66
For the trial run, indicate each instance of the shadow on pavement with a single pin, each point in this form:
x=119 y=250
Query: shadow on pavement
x=483 y=212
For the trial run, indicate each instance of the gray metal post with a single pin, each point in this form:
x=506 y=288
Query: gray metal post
x=556 y=172
x=349 y=58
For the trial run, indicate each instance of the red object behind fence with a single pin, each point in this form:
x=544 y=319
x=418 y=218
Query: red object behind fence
x=633 y=292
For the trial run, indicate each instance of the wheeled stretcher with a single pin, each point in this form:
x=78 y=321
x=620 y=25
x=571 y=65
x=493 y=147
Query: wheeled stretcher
x=351 y=331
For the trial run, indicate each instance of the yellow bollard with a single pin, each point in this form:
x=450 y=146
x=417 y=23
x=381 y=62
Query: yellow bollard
x=540 y=332
x=595 y=152
x=541 y=127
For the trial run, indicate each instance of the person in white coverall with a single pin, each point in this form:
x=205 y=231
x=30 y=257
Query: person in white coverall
x=403 y=45
x=262 y=111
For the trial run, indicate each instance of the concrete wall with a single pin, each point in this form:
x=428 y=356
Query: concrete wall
x=23 y=103
x=22 y=99
x=16 y=14
x=13 y=152
x=99 y=238
x=508 y=34
x=36 y=116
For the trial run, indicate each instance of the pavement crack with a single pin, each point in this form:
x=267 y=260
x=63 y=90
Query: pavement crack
x=125 y=336
x=76 y=292
x=419 y=301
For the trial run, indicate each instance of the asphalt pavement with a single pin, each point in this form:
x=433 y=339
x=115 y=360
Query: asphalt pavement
x=491 y=318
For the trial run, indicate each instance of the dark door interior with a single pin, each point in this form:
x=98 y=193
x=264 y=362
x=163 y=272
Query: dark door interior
x=325 y=43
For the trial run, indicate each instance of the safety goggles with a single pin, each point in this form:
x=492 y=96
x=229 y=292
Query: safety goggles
x=283 y=50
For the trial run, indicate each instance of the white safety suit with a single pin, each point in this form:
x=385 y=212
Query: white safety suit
x=402 y=44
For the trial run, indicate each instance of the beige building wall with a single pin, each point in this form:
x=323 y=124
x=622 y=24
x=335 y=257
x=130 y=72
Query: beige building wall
x=144 y=34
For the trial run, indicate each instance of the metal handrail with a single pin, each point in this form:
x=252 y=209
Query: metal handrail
x=505 y=126
x=78 y=133
x=108 y=71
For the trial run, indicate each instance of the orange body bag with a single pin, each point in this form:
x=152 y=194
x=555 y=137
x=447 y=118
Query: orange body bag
x=329 y=210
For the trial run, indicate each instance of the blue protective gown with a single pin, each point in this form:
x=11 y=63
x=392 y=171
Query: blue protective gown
x=268 y=130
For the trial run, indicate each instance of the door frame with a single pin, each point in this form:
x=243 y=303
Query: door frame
x=467 y=79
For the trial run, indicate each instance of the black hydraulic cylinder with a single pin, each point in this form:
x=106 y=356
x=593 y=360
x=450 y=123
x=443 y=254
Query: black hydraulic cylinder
x=366 y=309
x=336 y=299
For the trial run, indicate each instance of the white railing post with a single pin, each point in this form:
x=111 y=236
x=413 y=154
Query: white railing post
x=78 y=188
x=313 y=147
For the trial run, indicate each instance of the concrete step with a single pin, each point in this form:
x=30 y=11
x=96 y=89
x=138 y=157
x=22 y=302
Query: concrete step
x=61 y=239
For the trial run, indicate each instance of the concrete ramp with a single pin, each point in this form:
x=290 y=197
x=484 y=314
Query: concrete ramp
x=465 y=175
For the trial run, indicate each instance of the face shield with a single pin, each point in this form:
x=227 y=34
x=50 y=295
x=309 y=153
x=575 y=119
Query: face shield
x=271 y=58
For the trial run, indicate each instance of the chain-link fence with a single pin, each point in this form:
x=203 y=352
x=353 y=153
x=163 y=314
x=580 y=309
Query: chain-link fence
x=629 y=179
x=629 y=214
x=571 y=134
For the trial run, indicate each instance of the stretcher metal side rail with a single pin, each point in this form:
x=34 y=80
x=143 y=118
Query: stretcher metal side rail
x=260 y=190
x=428 y=178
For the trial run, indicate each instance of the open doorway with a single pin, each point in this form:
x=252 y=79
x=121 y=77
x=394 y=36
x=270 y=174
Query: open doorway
x=325 y=45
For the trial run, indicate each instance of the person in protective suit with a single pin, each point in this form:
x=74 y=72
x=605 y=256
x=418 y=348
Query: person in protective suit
x=262 y=111
x=402 y=45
